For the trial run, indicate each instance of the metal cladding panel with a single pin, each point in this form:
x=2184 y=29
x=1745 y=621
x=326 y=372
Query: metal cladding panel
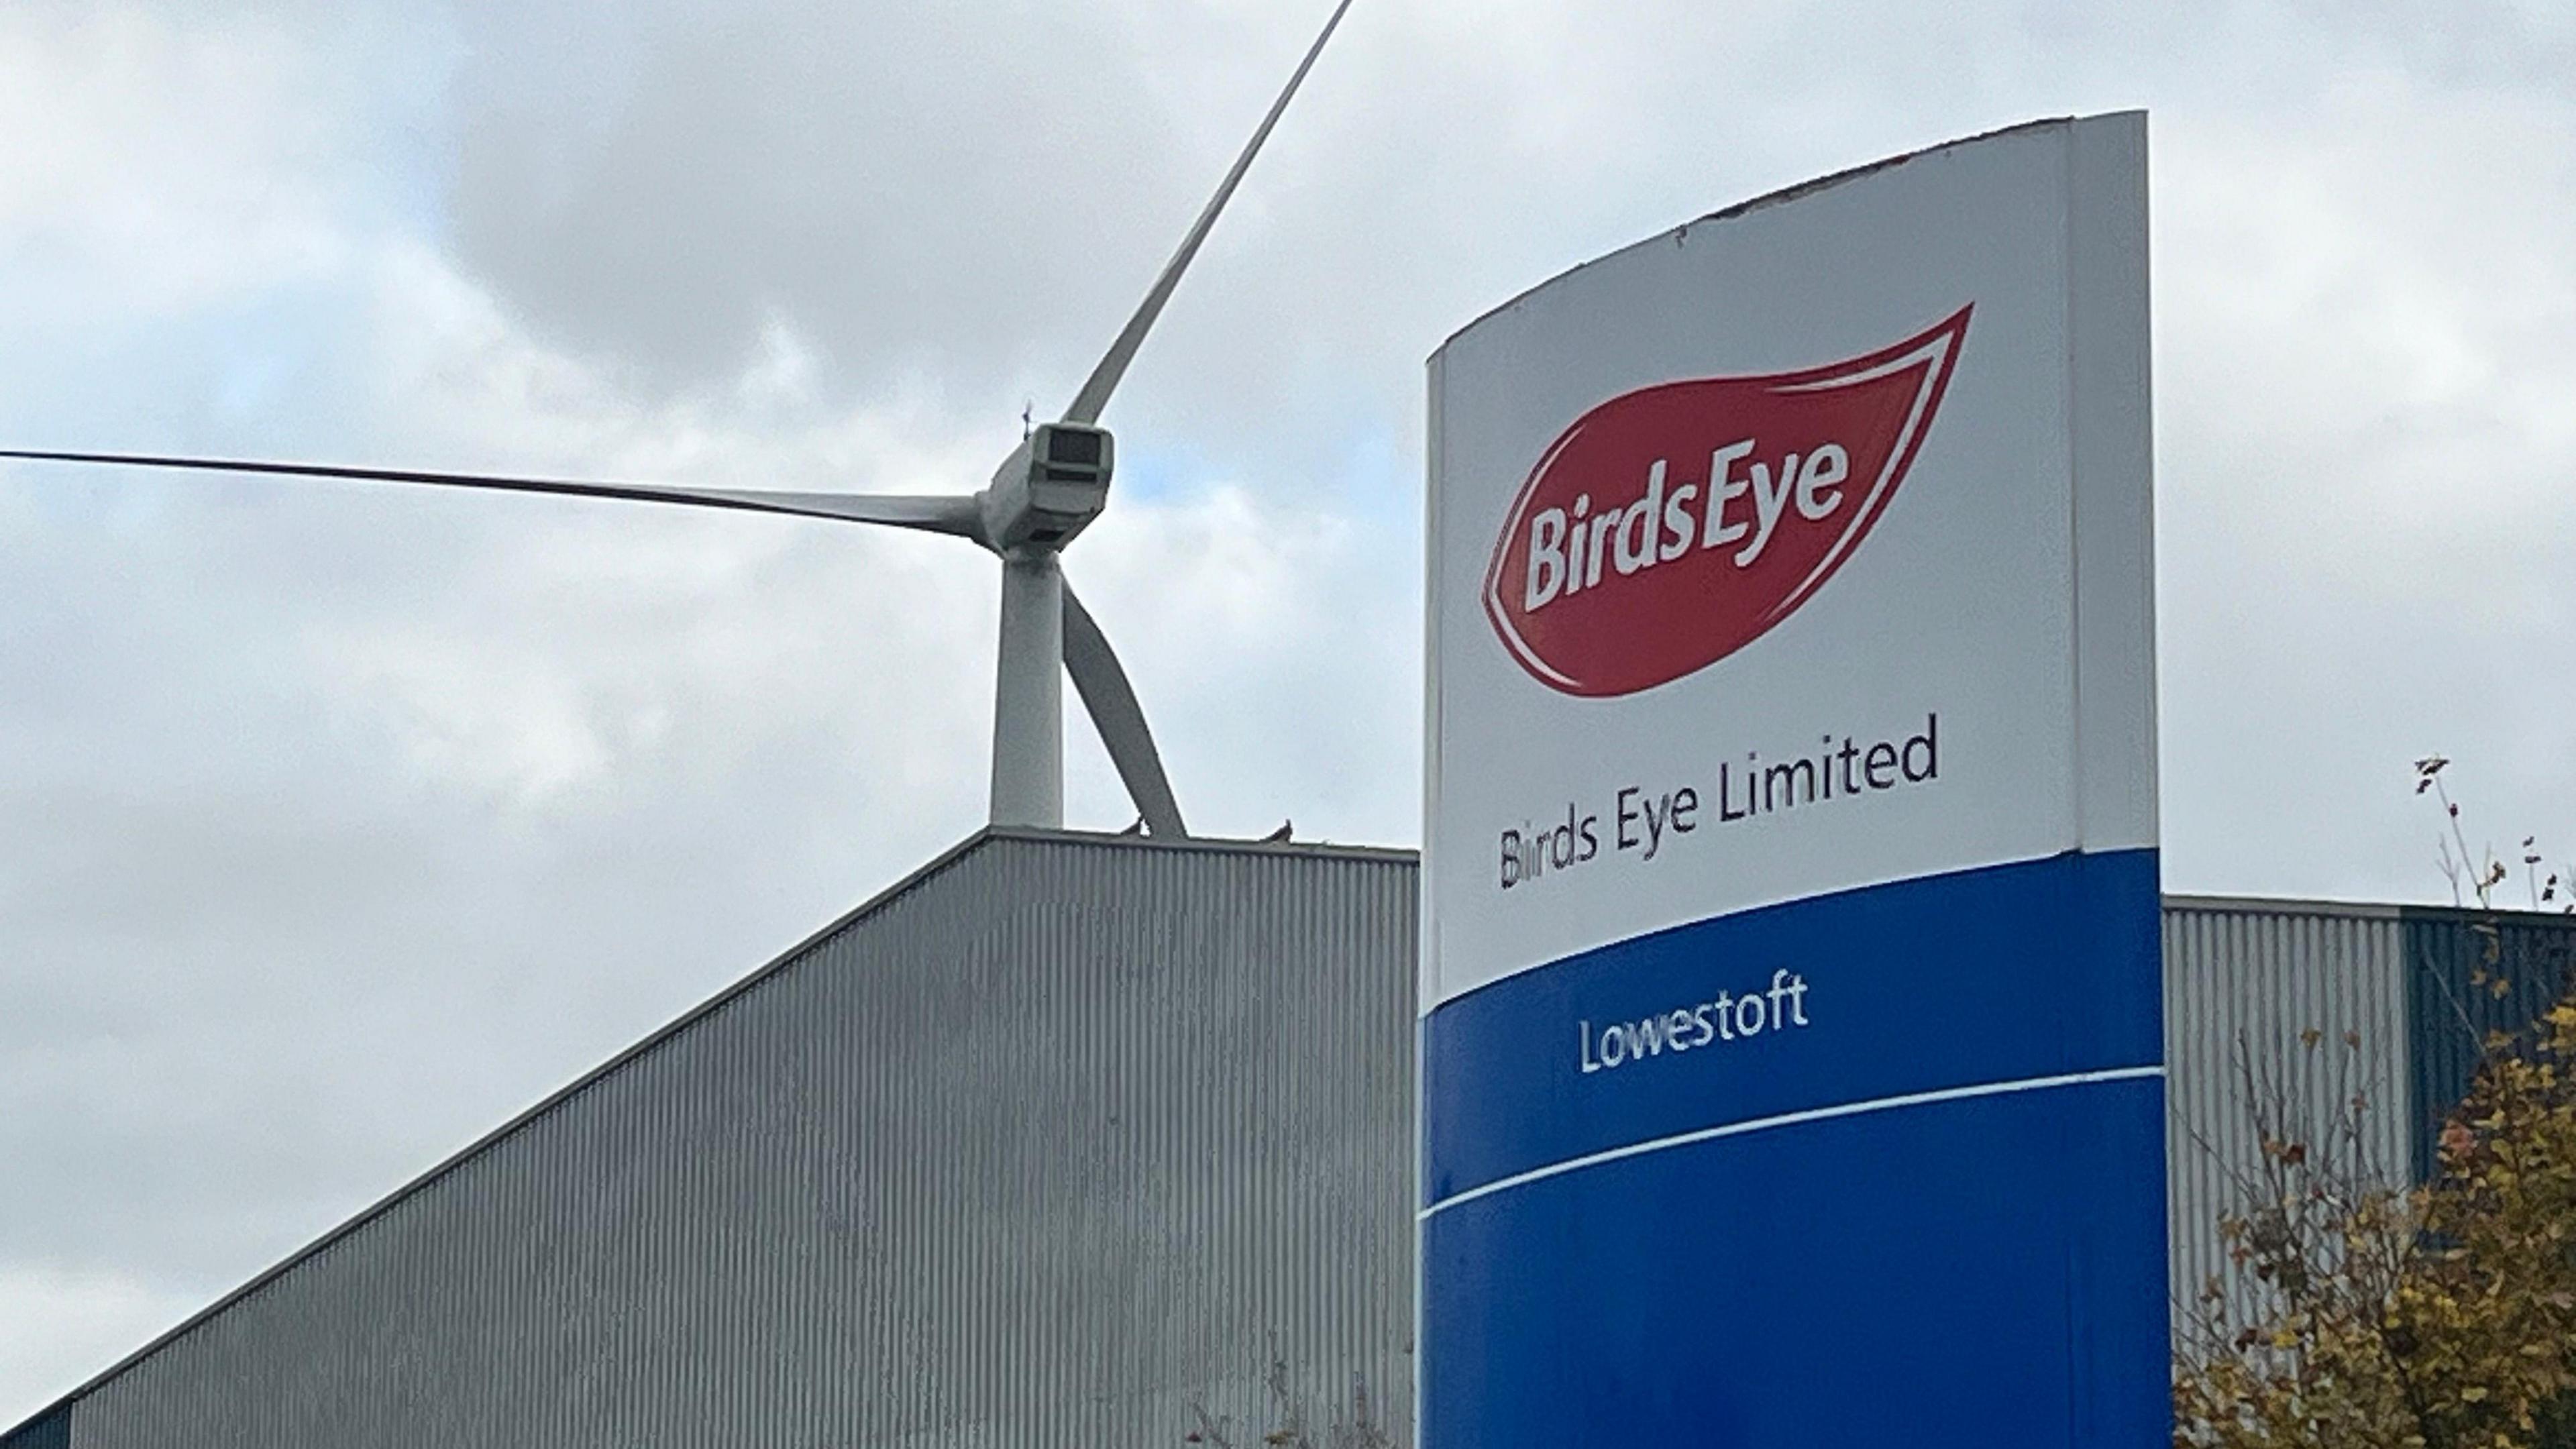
x=1047 y=1146
x=2474 y=973
x=2244 y=982
x=1054 y=1142
x=52 y=1430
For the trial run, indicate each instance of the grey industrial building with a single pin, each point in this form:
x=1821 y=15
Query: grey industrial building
x=1069 y=1140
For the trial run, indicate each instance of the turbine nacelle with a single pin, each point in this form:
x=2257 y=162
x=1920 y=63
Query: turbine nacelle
x=1050 y=488
x=1046 y=492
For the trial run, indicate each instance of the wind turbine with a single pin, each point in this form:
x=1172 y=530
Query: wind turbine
x=1042 y=496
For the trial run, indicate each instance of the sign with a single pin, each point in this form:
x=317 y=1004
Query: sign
x=1791 y=1045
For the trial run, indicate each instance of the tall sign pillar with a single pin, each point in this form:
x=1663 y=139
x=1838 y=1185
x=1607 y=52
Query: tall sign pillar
x=1791 y=1054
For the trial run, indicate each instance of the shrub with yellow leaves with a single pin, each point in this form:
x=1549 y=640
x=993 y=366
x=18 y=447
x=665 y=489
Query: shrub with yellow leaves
x=2368 y=1316
x=2438 y=1318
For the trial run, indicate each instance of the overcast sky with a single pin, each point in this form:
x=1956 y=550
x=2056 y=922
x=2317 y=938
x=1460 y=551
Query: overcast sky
x=337 y=824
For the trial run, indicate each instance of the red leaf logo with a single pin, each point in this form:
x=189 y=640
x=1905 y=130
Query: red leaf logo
x=1671 y=526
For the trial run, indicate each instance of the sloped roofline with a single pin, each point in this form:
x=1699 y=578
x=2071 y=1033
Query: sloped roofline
x=547 y=1104
x=935 y=866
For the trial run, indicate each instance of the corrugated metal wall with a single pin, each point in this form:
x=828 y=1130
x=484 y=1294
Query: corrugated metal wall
x=2245 y=981
x=992 y=1164
x=51 y=1430
x=985 y=1165
x=2473 y=973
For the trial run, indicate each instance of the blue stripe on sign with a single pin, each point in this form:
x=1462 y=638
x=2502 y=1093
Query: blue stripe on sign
x=1793 y=1119
x=1984 y=1272
x=2034 y=971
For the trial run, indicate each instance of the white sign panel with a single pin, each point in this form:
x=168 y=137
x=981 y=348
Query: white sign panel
x=1790 y=857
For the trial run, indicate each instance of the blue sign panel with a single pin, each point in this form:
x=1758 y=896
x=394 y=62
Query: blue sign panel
x=1791 y=1055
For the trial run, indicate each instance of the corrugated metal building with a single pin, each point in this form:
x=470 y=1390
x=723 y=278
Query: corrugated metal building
x=2276 y=1014
x=1067 y=1139
x=2279 y=1014
x=1046 y=1145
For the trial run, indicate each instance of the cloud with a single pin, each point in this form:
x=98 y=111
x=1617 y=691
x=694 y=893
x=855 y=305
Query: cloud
x=340 y=823
x=330 y=812
x=1270 y=643
x=2363 y=476
x=62 y=1327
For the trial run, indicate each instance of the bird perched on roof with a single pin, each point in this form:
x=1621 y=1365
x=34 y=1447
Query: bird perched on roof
x=1286 y=827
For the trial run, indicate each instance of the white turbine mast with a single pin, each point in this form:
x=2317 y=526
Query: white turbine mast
x=1045 y=493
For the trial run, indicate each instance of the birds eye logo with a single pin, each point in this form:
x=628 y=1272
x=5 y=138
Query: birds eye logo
x=1671 y=526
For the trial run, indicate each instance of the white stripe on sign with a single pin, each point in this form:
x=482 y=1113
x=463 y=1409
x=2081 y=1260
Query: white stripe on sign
x=1790 y=1119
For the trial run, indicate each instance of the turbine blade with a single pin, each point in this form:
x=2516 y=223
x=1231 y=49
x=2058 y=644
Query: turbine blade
x=937 y=514
x=1120 y=720
x=930 y=512
x=1094 y=397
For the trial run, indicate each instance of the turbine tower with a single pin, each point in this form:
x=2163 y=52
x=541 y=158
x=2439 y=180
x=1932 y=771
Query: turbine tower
x=1042 y=496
